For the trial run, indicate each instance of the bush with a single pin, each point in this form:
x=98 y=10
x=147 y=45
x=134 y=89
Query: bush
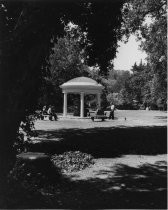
x=72 y=161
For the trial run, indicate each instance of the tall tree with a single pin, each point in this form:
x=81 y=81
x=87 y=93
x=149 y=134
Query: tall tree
x=147 y=18
x=27 y=29
x=104 y=30
x=67 y=61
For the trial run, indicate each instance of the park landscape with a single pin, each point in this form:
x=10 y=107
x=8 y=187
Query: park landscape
x=126 y=165
x=60 y=55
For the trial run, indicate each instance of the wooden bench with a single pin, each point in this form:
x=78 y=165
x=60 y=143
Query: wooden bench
x=45 y=116
x=98 y=115
x=39 y=115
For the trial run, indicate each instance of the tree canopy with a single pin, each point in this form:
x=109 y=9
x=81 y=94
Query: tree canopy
x=28 y=31
x=67 y=61
x=147 y=19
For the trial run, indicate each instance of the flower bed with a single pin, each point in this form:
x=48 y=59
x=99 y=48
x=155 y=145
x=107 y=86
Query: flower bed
x=72 y=161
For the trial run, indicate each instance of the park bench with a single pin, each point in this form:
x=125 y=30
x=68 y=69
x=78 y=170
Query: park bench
x=98 y=115
x=46 y=116
x=39 y=115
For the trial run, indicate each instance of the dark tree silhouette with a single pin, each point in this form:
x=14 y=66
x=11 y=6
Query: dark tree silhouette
x=27 y=28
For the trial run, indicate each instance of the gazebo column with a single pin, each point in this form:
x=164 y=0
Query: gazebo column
x=98 y=99
x=82 y=104
x=65 y=105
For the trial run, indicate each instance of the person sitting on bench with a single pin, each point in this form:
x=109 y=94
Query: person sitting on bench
x=52 y=113
x=99 y=111
x=44 y=111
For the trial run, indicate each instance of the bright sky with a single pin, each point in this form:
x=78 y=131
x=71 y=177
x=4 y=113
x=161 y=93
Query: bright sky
x=128 y=54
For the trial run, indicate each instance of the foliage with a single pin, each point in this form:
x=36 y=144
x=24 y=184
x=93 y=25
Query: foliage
x=28 y=31
x=25 y=132
x=149 y=23
x=104 y=30
x=66 y=62
x=116 y=80
x=72 y=161
x=115 y=84
x=115 y=98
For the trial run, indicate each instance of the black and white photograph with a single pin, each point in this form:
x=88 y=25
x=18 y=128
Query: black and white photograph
x=83 y=104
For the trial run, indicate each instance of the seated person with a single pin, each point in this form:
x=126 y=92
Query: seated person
x=99 y=111
x=53 y=112
x=44 y=111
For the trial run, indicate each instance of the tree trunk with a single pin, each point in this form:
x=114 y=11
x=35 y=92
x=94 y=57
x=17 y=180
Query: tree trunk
x=9 y=126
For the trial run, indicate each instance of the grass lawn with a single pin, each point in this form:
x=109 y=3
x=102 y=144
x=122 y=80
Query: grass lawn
x=128 y=118
x=130 y=169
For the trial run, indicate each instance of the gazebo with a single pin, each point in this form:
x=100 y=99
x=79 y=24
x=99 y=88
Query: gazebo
x=82 y=86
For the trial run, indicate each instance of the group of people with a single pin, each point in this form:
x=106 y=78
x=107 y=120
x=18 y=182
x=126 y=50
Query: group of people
x=50 y=111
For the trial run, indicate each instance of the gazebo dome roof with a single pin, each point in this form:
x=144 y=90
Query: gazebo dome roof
x=82 y=79
x=82 y=84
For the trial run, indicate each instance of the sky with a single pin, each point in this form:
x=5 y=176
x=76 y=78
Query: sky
x=128 y=54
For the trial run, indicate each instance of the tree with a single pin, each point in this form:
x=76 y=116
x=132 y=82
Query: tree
x=67 y=61
x=116 y=80
x=115 y=83
x=27 y=29
x=147 y=18
x=104 y=30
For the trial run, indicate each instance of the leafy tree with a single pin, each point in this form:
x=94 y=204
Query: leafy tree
x=115 y=98
x=67 y=61
x=114 y=84
x=104 y=30
x=153 y=35
x=116 y=80
x=27 y=29
x=138 y=86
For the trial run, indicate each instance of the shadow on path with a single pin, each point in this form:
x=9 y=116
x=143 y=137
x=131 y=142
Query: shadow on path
x=139 y=188
x=104 y=142
x=120 y=186
x=125 y=187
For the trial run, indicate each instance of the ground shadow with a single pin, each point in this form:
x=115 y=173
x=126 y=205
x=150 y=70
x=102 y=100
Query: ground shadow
x=163 y=118
x=141 y=187
x=104 y=142
x=125 y=187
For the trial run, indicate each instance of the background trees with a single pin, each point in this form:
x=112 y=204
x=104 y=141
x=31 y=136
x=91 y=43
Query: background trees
x=147 y=19
x=67 y=61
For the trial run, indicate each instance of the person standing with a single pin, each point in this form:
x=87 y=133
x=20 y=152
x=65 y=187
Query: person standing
x=49 y=113
x=112 y=112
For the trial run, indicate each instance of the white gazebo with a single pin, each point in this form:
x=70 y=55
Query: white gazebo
x=82 y=86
